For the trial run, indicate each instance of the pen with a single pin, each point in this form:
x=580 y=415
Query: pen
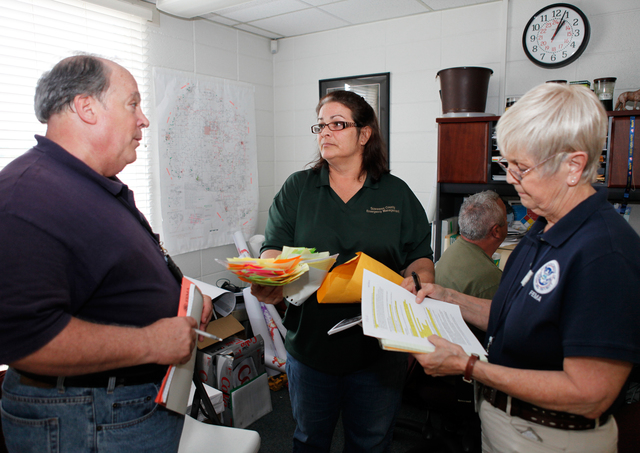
x=416 y=281
x=207 y=334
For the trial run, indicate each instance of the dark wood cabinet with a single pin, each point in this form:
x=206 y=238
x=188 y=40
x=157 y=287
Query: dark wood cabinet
x=464 y=148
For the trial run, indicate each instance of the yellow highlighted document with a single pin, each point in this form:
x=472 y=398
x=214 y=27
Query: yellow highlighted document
x=390 y=313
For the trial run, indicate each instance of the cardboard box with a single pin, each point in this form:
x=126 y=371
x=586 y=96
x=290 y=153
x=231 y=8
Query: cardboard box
x=232 y=365
x=217 y=363
x=223 y=328
x=226 y=327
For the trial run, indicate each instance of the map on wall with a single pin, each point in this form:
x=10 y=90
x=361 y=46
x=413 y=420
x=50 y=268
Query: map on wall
x=207 y=158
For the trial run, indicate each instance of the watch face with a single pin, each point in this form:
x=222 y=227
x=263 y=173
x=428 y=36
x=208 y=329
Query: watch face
x=556 y=35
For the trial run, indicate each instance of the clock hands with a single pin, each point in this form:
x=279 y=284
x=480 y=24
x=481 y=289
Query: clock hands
x=559 y=25
x=556 y=35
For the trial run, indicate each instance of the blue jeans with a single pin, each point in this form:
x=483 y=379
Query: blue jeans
x=76 y=420
x=369 y=401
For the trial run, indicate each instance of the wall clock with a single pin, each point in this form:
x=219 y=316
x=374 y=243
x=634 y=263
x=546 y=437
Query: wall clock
x=556 y=35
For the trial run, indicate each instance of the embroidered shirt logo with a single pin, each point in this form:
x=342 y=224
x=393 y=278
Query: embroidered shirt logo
x=546 y=279
x=382 y=210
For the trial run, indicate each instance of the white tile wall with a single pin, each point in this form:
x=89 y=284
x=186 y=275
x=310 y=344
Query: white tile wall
x=219 y=37
x=216 y=62
x=421 y=28
x=285 y=145
x=284 y=97
x=264 y=123
x=265 y=155
x=264 y=98
x=175 y=53
x=412 y=49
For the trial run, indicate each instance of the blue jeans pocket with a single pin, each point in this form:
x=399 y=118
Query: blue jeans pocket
x=138 y=423
x=130 y=410
x=30 y=435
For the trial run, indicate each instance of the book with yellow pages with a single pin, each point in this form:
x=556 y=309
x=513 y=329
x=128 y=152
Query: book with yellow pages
x=391 y=314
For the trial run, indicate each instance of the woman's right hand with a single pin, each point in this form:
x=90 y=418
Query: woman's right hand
x=432 y=291
x=267 y=294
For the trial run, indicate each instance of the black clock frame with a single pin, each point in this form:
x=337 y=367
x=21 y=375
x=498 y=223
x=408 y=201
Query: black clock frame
x=572 y=58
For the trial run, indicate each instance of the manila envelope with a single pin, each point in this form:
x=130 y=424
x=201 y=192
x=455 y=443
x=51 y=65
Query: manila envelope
x=344 y=283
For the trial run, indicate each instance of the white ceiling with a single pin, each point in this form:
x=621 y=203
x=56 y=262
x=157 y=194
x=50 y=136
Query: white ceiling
x=286 y=18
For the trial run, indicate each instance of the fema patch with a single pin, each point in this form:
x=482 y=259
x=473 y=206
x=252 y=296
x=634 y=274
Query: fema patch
x=547 y=277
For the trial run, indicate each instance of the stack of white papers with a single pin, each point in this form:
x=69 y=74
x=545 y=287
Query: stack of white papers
x=391 y=314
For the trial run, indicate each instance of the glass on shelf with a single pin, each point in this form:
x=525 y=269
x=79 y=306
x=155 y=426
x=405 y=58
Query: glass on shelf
x=604 y=90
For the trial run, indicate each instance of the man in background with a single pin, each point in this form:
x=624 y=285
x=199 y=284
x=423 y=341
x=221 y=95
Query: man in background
x=87 y=298
x=466 y=265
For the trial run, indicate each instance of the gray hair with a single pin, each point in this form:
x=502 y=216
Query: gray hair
x=73 y=76
x=479 y=213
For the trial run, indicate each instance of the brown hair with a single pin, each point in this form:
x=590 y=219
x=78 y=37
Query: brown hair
x=374 y=155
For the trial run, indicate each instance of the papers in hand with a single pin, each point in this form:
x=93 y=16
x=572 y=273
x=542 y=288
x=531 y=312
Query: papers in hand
x=174 y=392
x=288 y=267
x=267 y=271
x=300 y=290
x=391 y=314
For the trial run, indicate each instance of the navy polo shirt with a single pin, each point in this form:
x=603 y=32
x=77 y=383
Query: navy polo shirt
x=573 y=291
x=73 y=245
x=384 y=219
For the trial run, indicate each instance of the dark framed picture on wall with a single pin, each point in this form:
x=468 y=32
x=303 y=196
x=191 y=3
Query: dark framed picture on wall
x=373 y=87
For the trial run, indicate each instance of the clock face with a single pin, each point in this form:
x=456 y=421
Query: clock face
x=556 y=35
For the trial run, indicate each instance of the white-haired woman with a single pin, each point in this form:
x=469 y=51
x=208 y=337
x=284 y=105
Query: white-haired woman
x=563 y=330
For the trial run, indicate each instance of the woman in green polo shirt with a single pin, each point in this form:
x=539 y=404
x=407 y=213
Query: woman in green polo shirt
x=345 y=203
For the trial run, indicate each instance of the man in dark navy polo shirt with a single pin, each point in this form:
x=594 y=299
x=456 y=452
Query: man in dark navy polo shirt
x=88 y=301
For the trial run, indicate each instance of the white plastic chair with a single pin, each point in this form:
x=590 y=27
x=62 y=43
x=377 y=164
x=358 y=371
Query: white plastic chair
x=198 y=437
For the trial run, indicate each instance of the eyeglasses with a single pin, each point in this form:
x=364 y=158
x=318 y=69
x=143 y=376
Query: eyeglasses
x=334 y=126
x=516 y=173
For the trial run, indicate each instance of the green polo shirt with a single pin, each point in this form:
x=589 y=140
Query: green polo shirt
x=384 y=219
x=466 y=268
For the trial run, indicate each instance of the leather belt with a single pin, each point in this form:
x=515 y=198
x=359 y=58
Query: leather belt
x=539 y=415
x=124 y=376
